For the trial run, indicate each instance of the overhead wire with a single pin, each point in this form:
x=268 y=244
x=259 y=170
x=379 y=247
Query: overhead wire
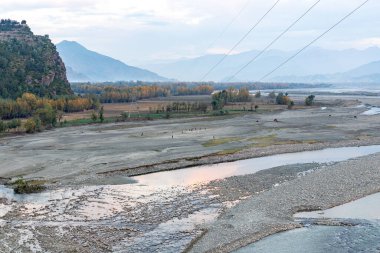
x=274 y=41
x=240 y=41
x=238 y=14
x=229 y=25
x=314 y=40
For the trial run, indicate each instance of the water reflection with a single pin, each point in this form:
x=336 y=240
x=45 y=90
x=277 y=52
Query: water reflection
x=365 y=208
x=202 y=174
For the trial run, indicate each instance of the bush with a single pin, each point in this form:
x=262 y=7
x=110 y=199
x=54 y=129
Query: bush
x=21 y=186
x=3 y=126
x=30 y=126
x=258 y=94
x=272 y=95
x=94 y=117
x=283 y=99
x=124 y=116
x=14 y=123
x=101 y=114
x=309 y=101
x=291 y=104
x=47 y=116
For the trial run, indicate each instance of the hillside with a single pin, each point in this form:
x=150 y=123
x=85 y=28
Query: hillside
x=367 y=73
x=86 y=65
x=29 y=63
x=312 y=62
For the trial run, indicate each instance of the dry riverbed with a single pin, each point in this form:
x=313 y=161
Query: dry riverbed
x=93 y=205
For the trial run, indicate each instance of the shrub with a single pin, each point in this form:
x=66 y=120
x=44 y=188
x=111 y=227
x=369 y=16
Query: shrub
x=21 y=186
x=3 y=126
x=291 y=104
x=309 y=101
x=101 y=114
x=30 y=126
x=124 y=116
x=258 y=94
x=94 y=117
x=272 y=95
x=14 y=123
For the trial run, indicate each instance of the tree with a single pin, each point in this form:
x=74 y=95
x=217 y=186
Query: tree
x=3 y=126
x=101 y=114
x=280 y=98
x=30 y=126
x=309 y=101
x=258 y=94
x=14 y=123
x=94 y=117
x=47 y=116
x=290 y=104
x=272 y=95
x=283 y=99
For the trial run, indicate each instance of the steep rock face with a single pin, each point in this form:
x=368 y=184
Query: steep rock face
x=29 y=63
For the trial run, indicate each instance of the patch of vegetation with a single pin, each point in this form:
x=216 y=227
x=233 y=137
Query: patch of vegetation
x=21 y=186
x=229 y=151
x=220 y=141
x=269 y=140
x=309 y=101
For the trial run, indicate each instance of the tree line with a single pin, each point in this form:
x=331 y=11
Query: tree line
x=122 y=94
x=28 y=104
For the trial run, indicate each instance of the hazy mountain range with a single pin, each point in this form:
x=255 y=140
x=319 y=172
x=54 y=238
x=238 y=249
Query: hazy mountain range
x=83 y=65
x=313 y=65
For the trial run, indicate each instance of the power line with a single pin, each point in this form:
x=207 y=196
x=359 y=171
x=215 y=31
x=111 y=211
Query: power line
x=238 y=14
x=313 y=41
x=241 y=40
x=274 y=41
x=229 y=24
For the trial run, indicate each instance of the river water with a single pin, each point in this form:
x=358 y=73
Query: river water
x=204 y=174
x=161 y=206
x=364 y=236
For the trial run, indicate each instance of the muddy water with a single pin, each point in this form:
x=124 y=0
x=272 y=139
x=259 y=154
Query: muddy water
x=364 y=236
x=204 y=174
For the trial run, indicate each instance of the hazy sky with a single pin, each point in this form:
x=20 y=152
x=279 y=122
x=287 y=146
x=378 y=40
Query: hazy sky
x=143 y=31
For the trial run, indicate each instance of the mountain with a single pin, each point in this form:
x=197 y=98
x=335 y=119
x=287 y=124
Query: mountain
x=86 y=65
x=29 y=63
x=372 y=68
x=367 y=73
x=312 y=62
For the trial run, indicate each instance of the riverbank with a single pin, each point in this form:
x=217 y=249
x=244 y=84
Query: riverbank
x=76 y=155
x=272 y=211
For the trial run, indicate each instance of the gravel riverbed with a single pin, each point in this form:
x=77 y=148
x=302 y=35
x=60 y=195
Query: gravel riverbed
x=272 y=211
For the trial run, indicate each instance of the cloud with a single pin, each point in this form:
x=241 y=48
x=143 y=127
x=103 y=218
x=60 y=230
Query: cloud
x=367 y=42
x=142 y=30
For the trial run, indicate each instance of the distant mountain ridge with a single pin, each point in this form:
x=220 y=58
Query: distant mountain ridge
x=84 y=65
x=313 y=65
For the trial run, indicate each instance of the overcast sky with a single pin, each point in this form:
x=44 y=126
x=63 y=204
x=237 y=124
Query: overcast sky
x=143 y=31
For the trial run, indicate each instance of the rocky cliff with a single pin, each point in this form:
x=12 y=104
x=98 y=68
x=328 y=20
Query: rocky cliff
x=29 y=63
